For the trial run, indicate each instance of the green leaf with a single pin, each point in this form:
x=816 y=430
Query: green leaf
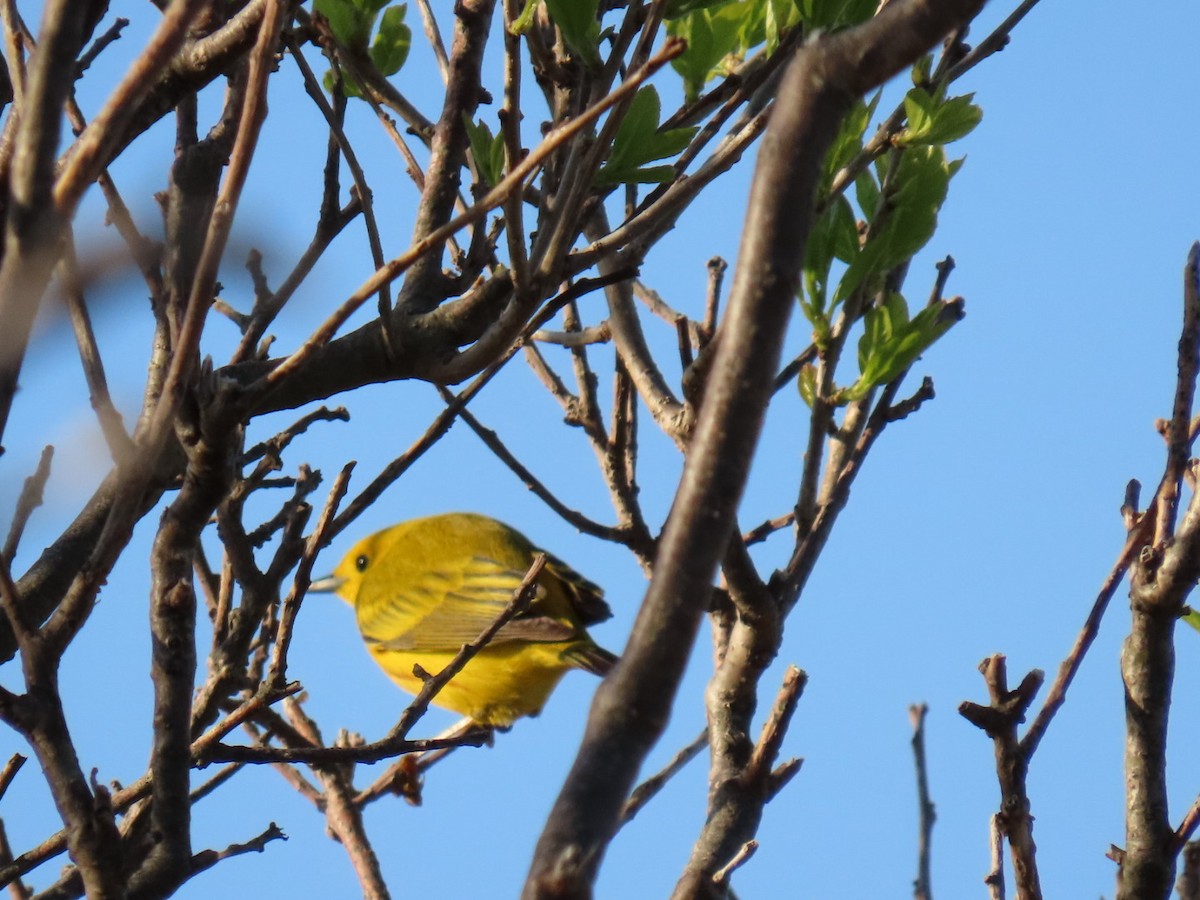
x=752 y=26
x=922 y=70
x=807 y=383
x=391 y=45
x=866 y=192
x=821 y=326
x=579 y=22
x=350 y=20
x=348 y=86
x=639 y=141
x=910 y=213
x=636 y=129
x=720 y=33
x=522 y=22
x=849 y=140
x=345 y=21
x=488 y=151
x=920 y=108
x=921 y=184
x=780 y=16
x=880 y=327
x=936 y=120
x=1192 y=618
x=957 y=118
x=711 y=35
x=497 y=161
x=833 y=235
x=891 y=343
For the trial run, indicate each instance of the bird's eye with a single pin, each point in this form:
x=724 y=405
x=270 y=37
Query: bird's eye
x=361 y=562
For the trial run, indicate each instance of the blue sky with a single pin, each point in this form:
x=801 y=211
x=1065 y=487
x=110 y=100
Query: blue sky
x=984 y=524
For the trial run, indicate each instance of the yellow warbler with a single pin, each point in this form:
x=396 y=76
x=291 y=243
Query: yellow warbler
x=423 y=588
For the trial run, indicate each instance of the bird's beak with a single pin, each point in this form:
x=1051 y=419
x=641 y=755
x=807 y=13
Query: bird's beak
x=325 y=585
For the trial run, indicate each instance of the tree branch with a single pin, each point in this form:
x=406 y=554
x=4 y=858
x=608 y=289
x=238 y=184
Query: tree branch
x=1161 y=579
x=631 y=706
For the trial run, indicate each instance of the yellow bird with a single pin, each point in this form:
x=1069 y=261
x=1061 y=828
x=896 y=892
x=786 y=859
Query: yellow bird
x=423 y=588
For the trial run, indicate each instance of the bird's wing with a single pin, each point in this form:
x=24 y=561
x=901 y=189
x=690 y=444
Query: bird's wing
x=586 y=597
x=469 y=601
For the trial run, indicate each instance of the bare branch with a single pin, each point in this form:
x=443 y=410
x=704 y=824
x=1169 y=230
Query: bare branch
x=493 y=443
x=1000 y=719
x=9 y=772
x=720 y=878
x=1187 y=827
x=291 y=604
x=16 y=888
x=1162 y=575
x=29 y=500
x=995 y=876
x=923 y=884
x=1138 y=535
x=648 y=789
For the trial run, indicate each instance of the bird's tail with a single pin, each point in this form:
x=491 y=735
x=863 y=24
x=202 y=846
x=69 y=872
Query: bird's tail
x=591 y=658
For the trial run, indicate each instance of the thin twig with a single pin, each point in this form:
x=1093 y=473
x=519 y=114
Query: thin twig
x=317 y=94
x=206 y=859
x=90 y=55
x=1139 y=535
x=492 y=441
x=1187 y=827
x=403 y=777
x=247 y=710
x=119 y=444
x=29 y=500
x=995 y=876
x=17 y=889
x=13 y=52
x=9 y=772
x=761 y=532
x=369 y=77
x=721 y=877
x=944 y=268
x=522 y=596
x=434 y=36
x=774 y=729
x=923 y=885
x=1178 y=431
x=291 y=603
x=442 y=422
x=208 y=787
x=510 y=128
x=646 y=791
x=993 y=43
x=596 y=334
x=712 y=297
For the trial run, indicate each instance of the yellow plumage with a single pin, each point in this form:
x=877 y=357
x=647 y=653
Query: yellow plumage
x=423 y=588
